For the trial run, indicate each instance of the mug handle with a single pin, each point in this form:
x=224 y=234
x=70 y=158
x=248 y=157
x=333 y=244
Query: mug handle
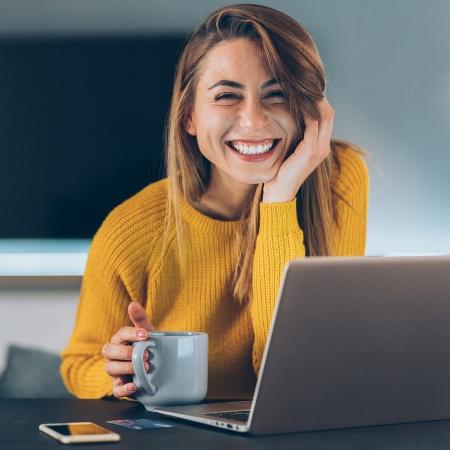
x=138 y=365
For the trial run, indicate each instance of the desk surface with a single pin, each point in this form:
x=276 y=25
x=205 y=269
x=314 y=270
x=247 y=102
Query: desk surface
x=20 y=418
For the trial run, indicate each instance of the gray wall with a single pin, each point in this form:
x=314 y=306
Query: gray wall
x=388 y=63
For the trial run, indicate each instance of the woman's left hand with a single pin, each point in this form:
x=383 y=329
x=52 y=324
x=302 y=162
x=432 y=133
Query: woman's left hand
x=310 y=152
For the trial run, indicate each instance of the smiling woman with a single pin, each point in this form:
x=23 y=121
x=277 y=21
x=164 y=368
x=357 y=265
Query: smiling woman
x=241 y=117
x=254 y=179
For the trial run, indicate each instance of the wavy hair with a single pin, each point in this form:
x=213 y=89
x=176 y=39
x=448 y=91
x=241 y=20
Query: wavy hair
x=293 y=59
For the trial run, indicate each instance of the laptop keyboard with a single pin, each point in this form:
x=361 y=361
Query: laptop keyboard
x=241 y=416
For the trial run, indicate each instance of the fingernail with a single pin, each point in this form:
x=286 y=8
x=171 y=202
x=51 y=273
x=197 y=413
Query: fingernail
x=146 y=366
x=145 y=355
x=141 y=333
x=130 y=387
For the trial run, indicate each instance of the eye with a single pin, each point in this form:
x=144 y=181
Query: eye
x=276 y=93
x=225 y=96
x=279 y=94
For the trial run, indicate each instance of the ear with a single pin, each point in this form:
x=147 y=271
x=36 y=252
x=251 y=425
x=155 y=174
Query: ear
x=191 y=127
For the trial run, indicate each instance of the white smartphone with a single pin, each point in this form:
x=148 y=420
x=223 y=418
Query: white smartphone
x=76 y=432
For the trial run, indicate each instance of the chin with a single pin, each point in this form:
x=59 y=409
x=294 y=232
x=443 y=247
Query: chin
x=256 y=178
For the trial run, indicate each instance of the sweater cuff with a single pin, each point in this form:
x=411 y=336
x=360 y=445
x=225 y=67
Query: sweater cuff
x=278 y=218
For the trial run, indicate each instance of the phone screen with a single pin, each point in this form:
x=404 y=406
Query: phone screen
x=79 y=429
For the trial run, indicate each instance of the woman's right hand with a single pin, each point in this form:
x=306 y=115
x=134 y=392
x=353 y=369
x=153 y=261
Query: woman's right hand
x=118 y=353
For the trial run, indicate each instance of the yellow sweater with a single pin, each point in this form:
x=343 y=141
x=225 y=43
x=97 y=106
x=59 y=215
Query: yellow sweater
x=125 y=264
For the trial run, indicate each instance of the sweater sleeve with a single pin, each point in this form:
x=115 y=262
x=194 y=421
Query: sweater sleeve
x=281 y=239
x=102 y=310
x=349 y=237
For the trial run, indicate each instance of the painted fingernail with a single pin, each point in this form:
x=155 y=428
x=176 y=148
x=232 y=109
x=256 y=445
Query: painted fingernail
x=145 y=355
x=141 y=333
x=130 y=387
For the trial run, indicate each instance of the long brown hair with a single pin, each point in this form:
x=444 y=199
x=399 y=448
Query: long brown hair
x=293 y=59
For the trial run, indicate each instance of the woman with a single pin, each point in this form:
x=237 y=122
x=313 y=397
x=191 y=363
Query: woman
x=253 y=181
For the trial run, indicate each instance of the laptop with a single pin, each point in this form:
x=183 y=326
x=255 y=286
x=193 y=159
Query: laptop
x=354 y=341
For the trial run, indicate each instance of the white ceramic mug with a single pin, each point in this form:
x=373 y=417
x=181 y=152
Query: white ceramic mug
x=179 y=368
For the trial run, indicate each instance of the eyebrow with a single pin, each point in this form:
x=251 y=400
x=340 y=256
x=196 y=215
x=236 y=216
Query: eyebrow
x=236 y=85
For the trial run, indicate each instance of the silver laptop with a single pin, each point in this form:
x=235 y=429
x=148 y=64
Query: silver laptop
x=354 y=341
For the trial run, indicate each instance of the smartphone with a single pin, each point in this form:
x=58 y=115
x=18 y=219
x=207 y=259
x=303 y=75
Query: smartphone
x=76 y=432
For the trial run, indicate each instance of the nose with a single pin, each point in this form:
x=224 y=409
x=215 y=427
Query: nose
x=252 y=114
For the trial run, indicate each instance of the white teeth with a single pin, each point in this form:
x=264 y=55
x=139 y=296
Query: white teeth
x=252 y=149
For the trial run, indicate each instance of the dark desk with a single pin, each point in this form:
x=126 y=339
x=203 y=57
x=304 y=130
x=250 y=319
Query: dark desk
x=19 y=420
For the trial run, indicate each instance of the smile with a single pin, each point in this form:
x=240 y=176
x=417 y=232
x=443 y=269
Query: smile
x=249 y=148
x=254 y=152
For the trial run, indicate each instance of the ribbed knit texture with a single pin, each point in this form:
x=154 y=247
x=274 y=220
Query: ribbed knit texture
x=125 y=264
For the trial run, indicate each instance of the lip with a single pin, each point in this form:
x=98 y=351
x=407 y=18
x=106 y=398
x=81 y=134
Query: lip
x=255 y=158
x=253 y=141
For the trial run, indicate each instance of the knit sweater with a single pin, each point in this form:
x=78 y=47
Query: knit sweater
x=125 y=264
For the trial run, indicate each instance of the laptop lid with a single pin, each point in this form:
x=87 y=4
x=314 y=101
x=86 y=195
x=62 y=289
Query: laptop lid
x=356 y=341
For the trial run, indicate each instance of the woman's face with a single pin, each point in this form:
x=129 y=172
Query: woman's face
x=251 y=113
